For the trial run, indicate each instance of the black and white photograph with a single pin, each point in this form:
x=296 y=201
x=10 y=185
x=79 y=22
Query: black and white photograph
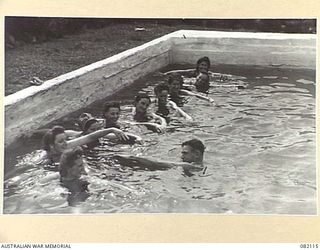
x=160 y=115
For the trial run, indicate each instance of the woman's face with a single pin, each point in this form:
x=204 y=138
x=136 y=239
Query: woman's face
x=174 y=87
x=203 y=67
x=142 y=105
x=93 y=127
x=163 y=96
x=60 y=143
x=112 y=114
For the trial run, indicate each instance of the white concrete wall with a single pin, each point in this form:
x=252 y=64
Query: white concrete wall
x=34 y=107
x=245 y=48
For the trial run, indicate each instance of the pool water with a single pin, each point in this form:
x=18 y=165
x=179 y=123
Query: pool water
x=260 y=153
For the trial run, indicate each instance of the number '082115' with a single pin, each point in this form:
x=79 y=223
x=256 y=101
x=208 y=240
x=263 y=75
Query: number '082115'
x=309 y=246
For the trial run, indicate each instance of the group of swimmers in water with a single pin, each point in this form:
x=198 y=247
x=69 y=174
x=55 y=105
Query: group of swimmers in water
x=66 y=146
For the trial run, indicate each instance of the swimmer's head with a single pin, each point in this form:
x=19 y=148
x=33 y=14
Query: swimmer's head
x=202 y=82
x=84 y=117
x=88 y=123
x=111 y=111
x=162 y=91
x=55 y=140
x=71 y=164
x=192 y=151
x=90 y=126
x=142 y=102
x=175 y=82
x=203 y=64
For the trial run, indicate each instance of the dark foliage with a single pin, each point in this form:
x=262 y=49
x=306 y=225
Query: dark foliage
x=41 y=29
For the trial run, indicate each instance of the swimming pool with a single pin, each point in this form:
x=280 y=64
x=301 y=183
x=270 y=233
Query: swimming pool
x=260 y=152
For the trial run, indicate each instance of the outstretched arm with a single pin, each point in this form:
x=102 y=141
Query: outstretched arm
x=148 y=162
x=155 y=126
x=73 y=133
x=160 y=128
x=132 y=137
x=95 y=135
x=184 y=72
x=180 y=111
x=200 y=96
x=163 y=122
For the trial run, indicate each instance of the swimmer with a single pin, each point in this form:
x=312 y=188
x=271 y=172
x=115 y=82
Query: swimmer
x=202 y=83
x=71 y=164
x=165 y=105
x=143 y=117
x=191 y=155
x=90 y=124
x=175 y=83
x=55 y=141
x=203 y=66
x=71 y=169
x=111 y=114
x=87 y=123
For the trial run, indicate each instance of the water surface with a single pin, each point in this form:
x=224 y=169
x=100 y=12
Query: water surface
x=260 y=153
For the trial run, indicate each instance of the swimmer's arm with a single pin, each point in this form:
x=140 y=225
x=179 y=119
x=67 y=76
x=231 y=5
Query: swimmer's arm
x=189 y=87
x=136 y=138
x=163 y=122
x=149 y=163
x=200 y=96
x=214 y=76
x=180 y=111
x=158 y=127
x=41 y=132
x=95 y=135
x=73 y=133
x=185 y=72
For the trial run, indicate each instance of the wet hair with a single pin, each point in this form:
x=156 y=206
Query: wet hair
x=109 y=105
x=195 y=144
x=87 y=124
x=161 y=87
x=175 y=76
x=68 y=158
x=203 y=59
x=85 y=121
x=50 y=136
x=140 y=96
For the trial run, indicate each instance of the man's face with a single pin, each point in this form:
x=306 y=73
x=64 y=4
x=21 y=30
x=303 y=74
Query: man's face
x=188 y=154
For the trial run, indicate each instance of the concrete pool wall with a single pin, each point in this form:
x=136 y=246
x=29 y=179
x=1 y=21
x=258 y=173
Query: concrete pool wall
x=36 y=106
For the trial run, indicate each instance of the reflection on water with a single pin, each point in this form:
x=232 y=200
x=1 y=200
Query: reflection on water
x=260 y=153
